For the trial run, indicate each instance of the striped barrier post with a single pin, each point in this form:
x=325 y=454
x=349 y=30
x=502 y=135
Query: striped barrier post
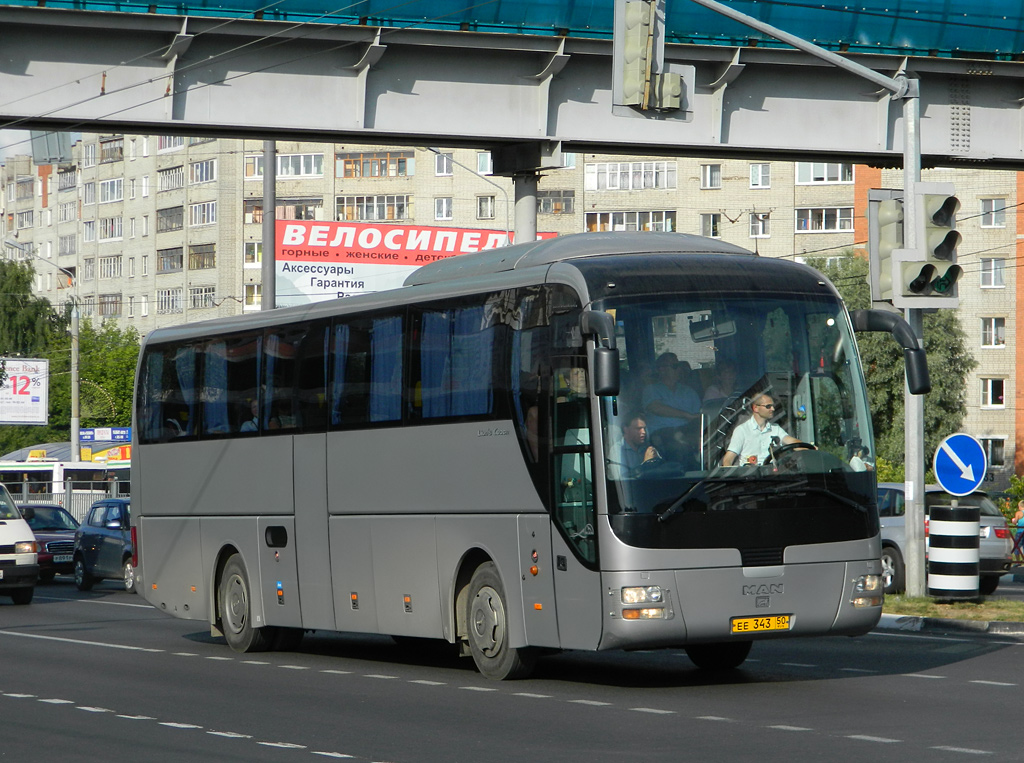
x=953 y=555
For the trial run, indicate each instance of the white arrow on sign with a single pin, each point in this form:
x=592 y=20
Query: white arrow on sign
x=966 y=471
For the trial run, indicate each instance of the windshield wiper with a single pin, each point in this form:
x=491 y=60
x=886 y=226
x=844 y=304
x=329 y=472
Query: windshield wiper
x=677 y=504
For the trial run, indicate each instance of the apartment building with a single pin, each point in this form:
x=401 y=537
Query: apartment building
x=158 y=230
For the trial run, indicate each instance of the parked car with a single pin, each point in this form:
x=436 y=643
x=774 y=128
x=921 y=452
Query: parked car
x=19 y=565
x=995 y=537
x=103 y=545
x=54 y=529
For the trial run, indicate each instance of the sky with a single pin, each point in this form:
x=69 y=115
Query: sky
x=11 y=143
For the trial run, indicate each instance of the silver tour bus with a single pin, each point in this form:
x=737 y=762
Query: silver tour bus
x=448 y=460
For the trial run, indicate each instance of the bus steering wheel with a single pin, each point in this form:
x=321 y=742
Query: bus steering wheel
x=774 y=455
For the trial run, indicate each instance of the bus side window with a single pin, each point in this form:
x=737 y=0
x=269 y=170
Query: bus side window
x=574 y=490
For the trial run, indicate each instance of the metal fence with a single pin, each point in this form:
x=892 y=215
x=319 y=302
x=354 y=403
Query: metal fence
x=76 y=497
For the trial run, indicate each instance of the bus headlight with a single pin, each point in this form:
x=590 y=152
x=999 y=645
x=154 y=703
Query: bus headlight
x=642 y=594
x=867 y=591
x=647 y=613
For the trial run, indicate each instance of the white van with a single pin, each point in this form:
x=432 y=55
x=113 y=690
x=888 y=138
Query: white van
x=19 y=562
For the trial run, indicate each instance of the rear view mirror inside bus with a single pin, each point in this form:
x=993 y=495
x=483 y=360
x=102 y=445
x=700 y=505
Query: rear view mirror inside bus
x=708 y=329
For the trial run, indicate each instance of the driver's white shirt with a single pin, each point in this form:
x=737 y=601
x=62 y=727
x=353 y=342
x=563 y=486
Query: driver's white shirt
x=748 y=440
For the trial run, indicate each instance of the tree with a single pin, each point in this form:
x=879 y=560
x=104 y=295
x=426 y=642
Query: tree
x=31 y=327
x=949 y=363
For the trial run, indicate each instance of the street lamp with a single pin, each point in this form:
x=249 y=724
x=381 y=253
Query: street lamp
x=508 y=232
x=76 y=449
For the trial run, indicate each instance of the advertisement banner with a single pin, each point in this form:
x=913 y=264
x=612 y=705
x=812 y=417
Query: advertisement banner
x=24 y=391
x=326 y=260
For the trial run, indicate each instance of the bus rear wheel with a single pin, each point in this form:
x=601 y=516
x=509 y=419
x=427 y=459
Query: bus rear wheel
x=235 y=598
x=724 y=656
x=487 y=626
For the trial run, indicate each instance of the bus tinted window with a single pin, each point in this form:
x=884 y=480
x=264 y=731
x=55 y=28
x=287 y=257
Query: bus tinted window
x=456 y=354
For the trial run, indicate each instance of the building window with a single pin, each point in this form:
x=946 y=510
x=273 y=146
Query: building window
x=111 y=190
x=89 y=269
x=300 y=209
x=131 y=267
x=67 y=212
x=111 y=150
x=369 y=208
x=484 y=164
x=288 y=166
x=253 y=296
x=710 y=176
x=67 y=179
x=202 y=172
x=377 y=164
x=25 y=186
x=144 y=305
x=993 y=273
x=25 y=220
x=170 y=219
x=630 y=221
x=202 y=214
x=711 y=225
x=202 y=256
x=824 y=219
x=170 y=179
x=145 y=264
x=252 y=211
x=992 y=393
x=169 y=260
x=760 y=225
x=89 y=155
x=89 y=193
x=168 y=300
x=629 y=176
x=994 y=450
x=443 y=165
x=812 y=173
x=556 y=202
x=110 y=228
x=110 y=267
x=760 y=176
x=67 y=245
x=169 y=142
x=89 y=231
x=201 y=296
x=443 y=208
x=993 y=213
x=253 y=254
x=993 y=332
x=484 y=207
x=110 y=305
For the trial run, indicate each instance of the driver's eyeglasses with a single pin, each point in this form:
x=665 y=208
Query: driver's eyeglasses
x=767 y=405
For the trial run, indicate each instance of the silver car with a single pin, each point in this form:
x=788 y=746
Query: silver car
x=995 y=545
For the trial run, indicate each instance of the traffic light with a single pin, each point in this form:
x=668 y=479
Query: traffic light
x=929 y=279
x=885 y=235
x=637 y=52
x=639 y=78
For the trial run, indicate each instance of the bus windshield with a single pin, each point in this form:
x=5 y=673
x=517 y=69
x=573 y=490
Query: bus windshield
x=741 y=421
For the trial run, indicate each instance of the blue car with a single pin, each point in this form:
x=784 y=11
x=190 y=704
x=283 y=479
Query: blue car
x=103 y=545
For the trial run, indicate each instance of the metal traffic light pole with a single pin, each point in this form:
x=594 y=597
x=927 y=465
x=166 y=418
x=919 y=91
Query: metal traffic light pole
x=906 y=89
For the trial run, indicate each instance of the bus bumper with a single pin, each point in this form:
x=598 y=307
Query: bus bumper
x=671 y=608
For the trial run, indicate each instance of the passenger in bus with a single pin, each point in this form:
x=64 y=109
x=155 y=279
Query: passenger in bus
x=859 y=459
x=635 y=449
x=724 y=387
x=752 y=440
x=672 y=407
x=252 y=424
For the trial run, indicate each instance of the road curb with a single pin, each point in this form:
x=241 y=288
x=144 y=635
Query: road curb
x=944 y=625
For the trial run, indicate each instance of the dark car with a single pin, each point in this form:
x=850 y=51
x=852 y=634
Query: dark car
x=995 y=540
x=54 y=529
x=103 y=545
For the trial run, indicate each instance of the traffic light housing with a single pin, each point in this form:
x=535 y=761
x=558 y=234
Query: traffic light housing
x=638 y=58
x=929 y=279
x=885 y=236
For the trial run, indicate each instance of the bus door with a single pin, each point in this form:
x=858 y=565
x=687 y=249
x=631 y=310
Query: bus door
x=312 y=537
x=574 y=542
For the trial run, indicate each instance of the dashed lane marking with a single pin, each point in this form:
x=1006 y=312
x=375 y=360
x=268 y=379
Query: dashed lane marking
x=964 y=750
x=866 y=738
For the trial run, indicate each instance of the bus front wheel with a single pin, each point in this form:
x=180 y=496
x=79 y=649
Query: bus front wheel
x=723 y=656
x=235 y=597
x=487 y=625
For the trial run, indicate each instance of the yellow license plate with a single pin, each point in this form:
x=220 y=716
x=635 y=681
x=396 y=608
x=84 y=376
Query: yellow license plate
x=760 y=624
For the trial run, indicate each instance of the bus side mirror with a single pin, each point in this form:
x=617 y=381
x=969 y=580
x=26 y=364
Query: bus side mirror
x=606 y=356
x=915 y=360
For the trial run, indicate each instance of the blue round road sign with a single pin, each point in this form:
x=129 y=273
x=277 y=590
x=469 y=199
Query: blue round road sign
x=960 y=464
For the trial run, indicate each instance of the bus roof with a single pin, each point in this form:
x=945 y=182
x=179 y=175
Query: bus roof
x=548 y=251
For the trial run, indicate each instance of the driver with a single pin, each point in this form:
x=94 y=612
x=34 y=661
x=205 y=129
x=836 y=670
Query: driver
x=751 y=440
x=636 y=449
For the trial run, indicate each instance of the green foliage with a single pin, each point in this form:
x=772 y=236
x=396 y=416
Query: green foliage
x=949 y=363
x=30 y=327
x=887 y=471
